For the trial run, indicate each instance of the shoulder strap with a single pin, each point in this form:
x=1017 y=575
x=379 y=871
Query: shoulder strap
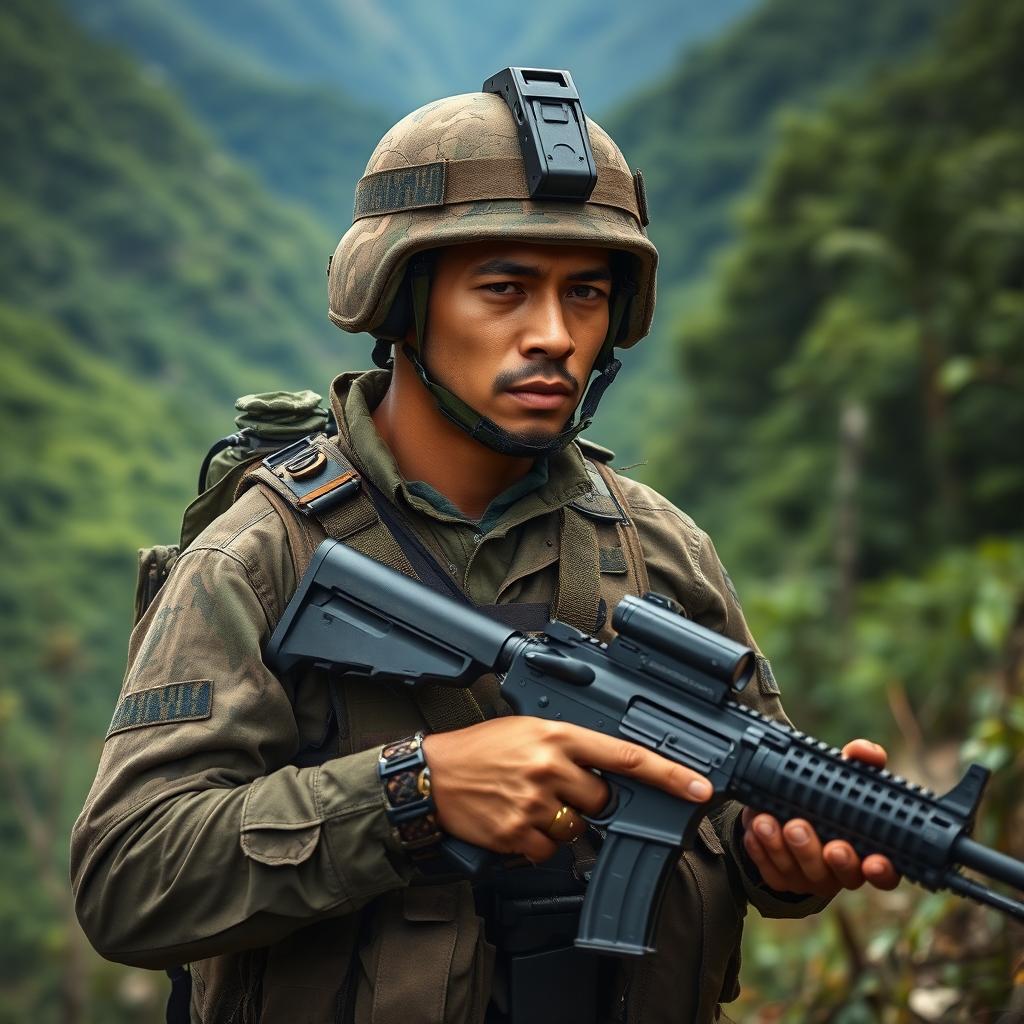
x=626 y=527
x=620 y=566
x=304 y=535
x=578 y=601
x=318 y=484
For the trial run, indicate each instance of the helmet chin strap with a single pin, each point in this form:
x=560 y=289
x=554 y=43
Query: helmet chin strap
x=485 y=430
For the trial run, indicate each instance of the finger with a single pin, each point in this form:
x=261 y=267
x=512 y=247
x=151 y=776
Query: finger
x=804 y=846
x=879 y=872
x=770 y=836
x=865 y=750
x=584 y=790
x=595 y=750
x=770 y=874
x=844 y=864
x=537 y=847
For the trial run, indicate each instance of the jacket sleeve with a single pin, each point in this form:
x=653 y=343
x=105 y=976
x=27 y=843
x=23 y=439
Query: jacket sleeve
x=682 y=562
x=198 y=838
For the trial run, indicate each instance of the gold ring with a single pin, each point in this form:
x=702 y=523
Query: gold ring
x=566 y=825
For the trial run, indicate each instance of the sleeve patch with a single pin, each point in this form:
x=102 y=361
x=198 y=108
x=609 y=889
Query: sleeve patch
x=178 y=702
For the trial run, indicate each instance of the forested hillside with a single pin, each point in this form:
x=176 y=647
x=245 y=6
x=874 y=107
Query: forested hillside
x=879 y=270
x=701 y=136
x=308 y=142
x=851 y=435
x=834 y=389
x=144 y=282
x=399 y=55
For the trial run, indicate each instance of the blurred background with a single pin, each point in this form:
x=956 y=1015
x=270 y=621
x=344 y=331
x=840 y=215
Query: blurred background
x=834 y=387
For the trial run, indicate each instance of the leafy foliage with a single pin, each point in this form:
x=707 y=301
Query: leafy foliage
x=936 y=651
x=701 y=136
x=849 y=435
x=879 y=267
x=145 y=282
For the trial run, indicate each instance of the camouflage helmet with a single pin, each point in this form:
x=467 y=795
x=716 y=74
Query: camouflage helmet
x=452 y=172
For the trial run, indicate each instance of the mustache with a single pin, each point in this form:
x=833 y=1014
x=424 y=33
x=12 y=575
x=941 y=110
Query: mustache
x=548 y=369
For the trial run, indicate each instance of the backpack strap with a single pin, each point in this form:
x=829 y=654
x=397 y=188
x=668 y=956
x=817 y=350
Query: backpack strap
x=325 y=496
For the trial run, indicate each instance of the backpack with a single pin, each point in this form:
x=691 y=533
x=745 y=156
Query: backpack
x=267 y=423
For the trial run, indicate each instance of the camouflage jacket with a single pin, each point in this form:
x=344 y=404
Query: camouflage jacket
x=212 y=837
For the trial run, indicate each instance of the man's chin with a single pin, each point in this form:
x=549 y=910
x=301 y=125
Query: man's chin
x=532 y=436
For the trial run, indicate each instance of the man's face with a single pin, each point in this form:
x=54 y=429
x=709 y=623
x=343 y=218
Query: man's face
x=514 y=329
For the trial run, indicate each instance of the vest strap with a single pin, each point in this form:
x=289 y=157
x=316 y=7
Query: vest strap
x=629 y=538
x=579 y=575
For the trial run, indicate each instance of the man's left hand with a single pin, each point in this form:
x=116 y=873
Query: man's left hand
x=791 y=858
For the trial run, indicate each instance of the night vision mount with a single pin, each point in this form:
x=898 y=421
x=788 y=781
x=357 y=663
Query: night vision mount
x=552 y=131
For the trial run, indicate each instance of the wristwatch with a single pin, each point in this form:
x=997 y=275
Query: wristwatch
x=405 y=775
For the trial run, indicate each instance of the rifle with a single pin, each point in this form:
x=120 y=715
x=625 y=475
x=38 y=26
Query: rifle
x=665 y=683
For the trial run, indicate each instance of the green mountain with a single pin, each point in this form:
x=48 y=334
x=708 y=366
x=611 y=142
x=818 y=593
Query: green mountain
x=304 y=141
x=144 y=282
x=702 y=135
x=125 y=225
x=401 y=54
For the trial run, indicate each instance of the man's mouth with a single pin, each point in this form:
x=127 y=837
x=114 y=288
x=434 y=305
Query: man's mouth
x=541 y=394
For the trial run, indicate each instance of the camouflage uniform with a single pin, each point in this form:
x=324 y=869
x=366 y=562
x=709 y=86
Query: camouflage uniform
x=230 y=827
x=202 y=841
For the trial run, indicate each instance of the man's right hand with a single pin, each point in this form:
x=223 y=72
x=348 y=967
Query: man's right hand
x=499 y=784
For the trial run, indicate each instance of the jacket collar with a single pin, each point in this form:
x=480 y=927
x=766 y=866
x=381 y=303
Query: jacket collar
x=355 y=395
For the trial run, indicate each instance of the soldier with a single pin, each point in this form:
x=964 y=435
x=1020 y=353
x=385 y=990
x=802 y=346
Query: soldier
x=240 y=823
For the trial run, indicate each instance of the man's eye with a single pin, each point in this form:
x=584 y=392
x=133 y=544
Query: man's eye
x=585 y=291
x=501 y=287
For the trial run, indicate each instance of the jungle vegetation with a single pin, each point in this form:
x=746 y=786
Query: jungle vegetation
x=835 y=390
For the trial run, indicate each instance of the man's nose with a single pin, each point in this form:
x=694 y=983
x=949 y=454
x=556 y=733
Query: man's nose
x=547 y=333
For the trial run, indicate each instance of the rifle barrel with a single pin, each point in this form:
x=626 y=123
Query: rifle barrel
x=990 y=863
